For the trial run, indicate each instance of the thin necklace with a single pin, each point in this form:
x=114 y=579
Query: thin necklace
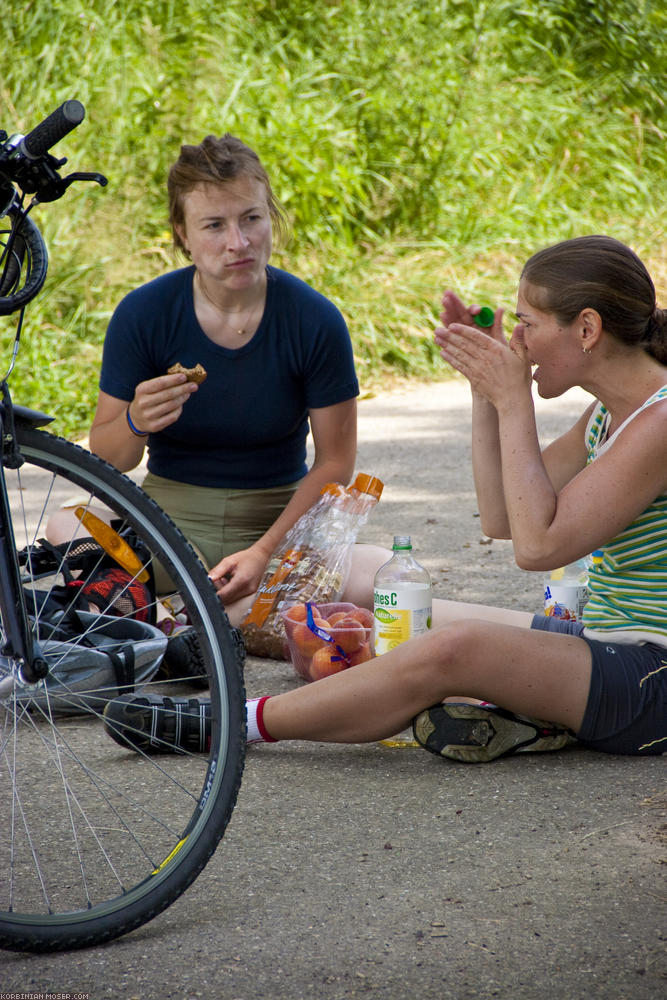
x=240 y=331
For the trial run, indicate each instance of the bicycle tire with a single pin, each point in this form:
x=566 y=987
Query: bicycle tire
x=125 y=833
x=29 y=244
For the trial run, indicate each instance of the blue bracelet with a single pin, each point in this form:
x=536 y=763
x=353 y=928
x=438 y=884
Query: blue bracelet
x=135 y=430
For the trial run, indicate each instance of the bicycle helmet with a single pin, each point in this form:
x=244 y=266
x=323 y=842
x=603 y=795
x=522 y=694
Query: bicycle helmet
x=117 y=655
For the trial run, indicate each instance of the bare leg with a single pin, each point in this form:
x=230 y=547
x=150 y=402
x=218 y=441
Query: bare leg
x=64 y=524
x=237 y=610
x=446 y=612
x=366 y=561
x=540 y=674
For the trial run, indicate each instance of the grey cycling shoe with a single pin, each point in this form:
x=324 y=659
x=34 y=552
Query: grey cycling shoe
x=475 y=734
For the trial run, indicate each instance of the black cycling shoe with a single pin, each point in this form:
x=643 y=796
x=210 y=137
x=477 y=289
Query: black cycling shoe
x=183 y=660
x=475 y=734
x=153 y=724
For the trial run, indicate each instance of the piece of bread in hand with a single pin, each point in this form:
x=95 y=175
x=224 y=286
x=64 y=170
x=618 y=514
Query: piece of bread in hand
x=196 y=374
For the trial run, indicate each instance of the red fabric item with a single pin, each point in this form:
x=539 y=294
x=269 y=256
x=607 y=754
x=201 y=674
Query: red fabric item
x=114 y=592
x=266 y=736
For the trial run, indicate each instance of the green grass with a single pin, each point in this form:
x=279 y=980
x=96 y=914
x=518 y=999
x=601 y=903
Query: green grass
x=415 y=146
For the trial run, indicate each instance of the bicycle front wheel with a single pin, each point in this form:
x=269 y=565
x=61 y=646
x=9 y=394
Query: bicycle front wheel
x=98 y=839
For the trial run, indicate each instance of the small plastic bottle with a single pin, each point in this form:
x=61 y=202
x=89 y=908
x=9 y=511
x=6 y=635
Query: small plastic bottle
x=402 y=605
x=485 y=317
x=566 y=589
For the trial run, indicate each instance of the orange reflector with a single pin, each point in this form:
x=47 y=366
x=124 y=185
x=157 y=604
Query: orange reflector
x=113 y=544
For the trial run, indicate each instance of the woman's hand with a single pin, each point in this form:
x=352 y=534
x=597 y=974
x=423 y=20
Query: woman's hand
x=495 y=369
x=455 y=311
x=239 y=574
x=159 y=402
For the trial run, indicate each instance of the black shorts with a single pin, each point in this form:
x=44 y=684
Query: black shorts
x=626 y=711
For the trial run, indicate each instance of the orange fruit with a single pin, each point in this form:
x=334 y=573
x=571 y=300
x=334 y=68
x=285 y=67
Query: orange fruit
x=360 y=655
x=297 y=613
x=339 y=615
x=349 y=633
x=306 y=641
x=364 y=616
x=322 y=664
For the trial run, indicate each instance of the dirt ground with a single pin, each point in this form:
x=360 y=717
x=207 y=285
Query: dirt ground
x=388 y=874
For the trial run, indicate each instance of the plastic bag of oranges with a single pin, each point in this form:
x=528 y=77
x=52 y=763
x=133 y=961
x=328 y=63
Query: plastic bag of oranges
x=325 y=638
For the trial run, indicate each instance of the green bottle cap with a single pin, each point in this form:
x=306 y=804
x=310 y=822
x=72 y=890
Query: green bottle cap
x=485 y=316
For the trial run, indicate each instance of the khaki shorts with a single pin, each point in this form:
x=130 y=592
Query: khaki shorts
x=218 y=522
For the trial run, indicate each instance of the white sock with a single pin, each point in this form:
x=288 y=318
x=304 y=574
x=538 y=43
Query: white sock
x=256 y=730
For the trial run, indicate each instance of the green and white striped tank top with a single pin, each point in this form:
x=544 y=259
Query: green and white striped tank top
x=628 y=586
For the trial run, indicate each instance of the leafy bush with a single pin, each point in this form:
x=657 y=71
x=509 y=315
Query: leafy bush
x=412 y=144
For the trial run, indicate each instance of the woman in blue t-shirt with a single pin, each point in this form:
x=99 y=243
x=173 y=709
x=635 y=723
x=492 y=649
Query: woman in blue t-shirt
x=227 y=457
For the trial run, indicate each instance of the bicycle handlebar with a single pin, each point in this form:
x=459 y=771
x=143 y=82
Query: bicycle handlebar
x=54 y=128
x=25 y=161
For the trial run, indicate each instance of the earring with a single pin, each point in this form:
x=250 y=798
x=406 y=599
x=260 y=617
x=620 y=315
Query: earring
x=585 y=350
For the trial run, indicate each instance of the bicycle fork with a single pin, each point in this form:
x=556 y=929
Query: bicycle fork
x=18 y=642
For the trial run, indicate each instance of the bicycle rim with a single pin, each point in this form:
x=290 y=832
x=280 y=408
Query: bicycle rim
x=99 y=839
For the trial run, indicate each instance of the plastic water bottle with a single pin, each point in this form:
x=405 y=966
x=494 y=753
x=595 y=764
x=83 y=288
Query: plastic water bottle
x=566 y=589
x=402 y=598
x=402 y=605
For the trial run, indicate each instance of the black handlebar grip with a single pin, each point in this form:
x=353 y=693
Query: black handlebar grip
x=54 y=128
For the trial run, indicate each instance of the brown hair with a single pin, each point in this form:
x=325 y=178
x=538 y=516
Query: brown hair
x=217 y=161
x=598 y=272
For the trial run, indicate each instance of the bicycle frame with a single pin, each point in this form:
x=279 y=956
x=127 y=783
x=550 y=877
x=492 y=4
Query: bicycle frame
x=25 y=160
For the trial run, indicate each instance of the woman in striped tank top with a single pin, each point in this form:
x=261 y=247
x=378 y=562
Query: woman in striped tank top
x=587 y=316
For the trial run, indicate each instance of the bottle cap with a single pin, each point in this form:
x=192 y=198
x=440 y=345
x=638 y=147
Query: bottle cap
x=485 y=316
x=335 y=489
x=368 y=484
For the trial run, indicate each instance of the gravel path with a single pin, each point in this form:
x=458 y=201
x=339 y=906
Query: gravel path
x=368 y=872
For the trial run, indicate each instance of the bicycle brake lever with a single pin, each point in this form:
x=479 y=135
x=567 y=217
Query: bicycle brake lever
x=56 y=186
x=79 y=176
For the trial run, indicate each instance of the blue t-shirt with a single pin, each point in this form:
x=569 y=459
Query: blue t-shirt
x=247 y=424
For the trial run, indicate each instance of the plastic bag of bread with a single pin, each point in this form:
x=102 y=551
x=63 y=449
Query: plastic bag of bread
x=312 y=563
